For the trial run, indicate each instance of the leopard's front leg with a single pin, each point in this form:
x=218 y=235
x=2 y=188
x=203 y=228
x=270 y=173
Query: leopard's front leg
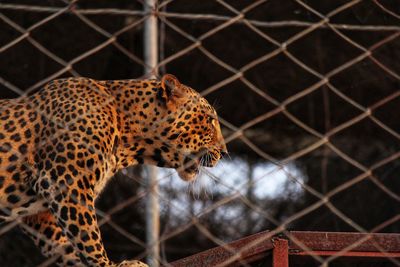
x=72 y=204
x=50 y=238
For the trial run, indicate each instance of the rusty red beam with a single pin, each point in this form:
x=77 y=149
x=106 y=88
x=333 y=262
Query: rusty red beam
x=339 y=241
x=230 y=254
x=359 y=254
x=280 y=253
x=255 y=247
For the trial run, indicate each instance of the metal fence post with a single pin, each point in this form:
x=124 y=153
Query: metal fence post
x=280 y=253
x=152 y=204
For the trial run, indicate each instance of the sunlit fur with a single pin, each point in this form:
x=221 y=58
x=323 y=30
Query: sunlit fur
x=61 y=145
x=178 y=129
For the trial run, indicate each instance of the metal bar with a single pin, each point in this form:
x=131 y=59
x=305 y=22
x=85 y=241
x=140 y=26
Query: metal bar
x=348 y=254
x=152 y=218
x=219 y=255
x=152 y=201
x=260 y=245
x=280 y=253
x=338 y=241
x=151 y=39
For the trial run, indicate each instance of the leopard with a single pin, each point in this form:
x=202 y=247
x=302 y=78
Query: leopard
x=61 y=145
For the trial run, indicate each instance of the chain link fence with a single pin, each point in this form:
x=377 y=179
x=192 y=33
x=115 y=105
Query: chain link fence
x=307 y=93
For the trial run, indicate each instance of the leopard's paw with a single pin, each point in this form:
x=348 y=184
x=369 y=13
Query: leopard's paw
x=133 y=263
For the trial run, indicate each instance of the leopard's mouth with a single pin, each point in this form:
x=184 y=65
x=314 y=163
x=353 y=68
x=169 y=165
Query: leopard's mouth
x=190 y=168
x=193 y=162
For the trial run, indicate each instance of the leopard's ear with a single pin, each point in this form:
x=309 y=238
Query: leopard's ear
x=171 y=87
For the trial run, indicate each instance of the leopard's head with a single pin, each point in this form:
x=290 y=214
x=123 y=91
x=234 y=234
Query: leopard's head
x=190 y=129
x=168 y=124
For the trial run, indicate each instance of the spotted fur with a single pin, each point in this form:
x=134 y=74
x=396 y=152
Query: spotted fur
x=60 y=146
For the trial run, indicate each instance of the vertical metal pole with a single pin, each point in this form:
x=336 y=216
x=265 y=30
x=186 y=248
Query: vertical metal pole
x=152 y=205
x=150 y=38
x=152 y=218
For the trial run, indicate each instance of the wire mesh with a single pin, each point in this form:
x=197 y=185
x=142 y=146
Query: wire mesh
x=307 y=92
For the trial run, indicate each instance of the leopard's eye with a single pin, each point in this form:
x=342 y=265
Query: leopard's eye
x=213 y=121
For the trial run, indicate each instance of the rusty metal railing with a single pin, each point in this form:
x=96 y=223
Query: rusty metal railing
x=278 y=249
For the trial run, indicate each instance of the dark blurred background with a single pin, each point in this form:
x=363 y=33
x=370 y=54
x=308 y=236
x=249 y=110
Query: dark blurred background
x=281 y=102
